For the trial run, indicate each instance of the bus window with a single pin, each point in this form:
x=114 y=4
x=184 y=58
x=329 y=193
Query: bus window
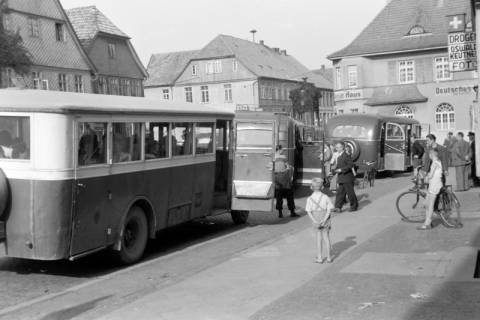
x=254 y=135
x=91 y=145
x=394 y=132
x=204 y=138
x=351 y=131
x=156 y=140
x=182 y=139
x=126 y=142
x=15 y=138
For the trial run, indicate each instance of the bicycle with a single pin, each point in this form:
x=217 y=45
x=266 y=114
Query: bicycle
x=369 y=174
x=447 y=206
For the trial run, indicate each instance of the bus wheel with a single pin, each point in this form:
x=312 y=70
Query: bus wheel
x=240 y=217
x=134 y=237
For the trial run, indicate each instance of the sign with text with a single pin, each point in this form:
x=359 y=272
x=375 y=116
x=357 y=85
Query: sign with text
x=454 y=90
x=348 y=95
x=462 y=51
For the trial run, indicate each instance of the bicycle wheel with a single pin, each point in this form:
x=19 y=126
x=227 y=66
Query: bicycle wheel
x=449 y=209
x=410 y=205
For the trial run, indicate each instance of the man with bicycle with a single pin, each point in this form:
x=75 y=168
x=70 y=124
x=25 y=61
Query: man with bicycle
x=442 y=156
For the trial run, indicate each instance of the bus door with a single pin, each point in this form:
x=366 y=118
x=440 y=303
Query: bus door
x=91 y=194
x=253 y=187
x=395 y=147
x=222 y=164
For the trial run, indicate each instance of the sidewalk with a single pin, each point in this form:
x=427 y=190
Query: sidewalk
x=401 y=273
x=270 y=278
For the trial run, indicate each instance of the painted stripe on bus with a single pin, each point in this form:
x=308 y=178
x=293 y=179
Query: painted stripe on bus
x=28 y=173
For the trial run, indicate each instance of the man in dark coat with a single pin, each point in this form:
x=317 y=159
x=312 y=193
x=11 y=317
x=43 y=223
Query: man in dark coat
x=417 y=152
x=345 y=179
x=471 y=138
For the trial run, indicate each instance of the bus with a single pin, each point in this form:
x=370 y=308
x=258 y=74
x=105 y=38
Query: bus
x=371 y=138
x=82 y=173
x=257 y=136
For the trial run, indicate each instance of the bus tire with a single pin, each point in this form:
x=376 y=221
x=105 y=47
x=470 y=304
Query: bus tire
x=134 y=237
x=4 y=193
x=355 y=147
x=239 y=217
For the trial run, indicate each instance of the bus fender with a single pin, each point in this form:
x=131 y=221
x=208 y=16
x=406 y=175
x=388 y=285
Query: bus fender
x=147 y=207
x=4 y=193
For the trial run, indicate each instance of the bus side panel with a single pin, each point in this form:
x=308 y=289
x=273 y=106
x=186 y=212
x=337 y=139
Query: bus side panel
x=181 y=194
x=204 y=189
x=157 y=190
x=38 y=223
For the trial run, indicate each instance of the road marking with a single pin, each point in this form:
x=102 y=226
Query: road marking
x=115 y=273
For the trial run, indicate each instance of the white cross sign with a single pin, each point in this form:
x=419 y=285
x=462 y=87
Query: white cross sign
x=455 y=23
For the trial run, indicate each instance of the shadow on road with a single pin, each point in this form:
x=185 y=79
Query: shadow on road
x=72 y=312
x=339 y=247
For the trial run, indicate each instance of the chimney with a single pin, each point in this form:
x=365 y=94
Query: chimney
x=284 y=52
x=262 y=42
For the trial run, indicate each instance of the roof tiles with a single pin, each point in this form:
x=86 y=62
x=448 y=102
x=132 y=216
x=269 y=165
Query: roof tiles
x=388 y=32
x=164 y=68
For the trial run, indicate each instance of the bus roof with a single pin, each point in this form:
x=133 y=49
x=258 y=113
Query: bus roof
x=19 y=100
x=364 y=118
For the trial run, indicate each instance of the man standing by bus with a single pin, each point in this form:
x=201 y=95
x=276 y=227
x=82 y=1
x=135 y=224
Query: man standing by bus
x=460 y=159
x=345 y=180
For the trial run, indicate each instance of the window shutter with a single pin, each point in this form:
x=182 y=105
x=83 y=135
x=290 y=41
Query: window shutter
x=392 y=72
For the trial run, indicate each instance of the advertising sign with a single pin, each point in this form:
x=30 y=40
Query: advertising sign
x=462 y=47
x=348 y=95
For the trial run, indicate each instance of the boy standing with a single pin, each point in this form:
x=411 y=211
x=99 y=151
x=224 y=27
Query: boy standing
x=319 y=207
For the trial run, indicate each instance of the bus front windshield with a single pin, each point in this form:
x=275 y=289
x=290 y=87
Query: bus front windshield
x=14 y=138
x=254 y=135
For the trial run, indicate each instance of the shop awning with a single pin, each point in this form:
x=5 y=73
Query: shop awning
x=401 y=94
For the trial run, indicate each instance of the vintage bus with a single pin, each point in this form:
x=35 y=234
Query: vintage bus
x=257 y=135
x=371 y=138
x=82 y=173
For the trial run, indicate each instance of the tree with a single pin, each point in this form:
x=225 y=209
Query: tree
x=13 y=53
x=305 y=99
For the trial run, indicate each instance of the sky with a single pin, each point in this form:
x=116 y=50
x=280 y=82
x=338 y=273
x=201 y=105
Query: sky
x=308 y=29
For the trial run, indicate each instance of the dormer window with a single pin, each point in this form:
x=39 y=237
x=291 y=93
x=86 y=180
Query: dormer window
x=112 y=52
x=416 y=30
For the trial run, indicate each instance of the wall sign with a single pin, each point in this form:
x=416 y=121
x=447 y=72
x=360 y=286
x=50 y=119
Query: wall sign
x=348 y=95
x=462 y=47
x=454 y=90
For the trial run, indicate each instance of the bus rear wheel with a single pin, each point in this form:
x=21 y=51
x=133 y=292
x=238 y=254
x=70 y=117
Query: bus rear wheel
x=240 y=217
x=134 y=237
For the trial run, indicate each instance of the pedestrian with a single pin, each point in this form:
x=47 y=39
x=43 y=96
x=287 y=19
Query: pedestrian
x=284 y=186
x=460 y=160
x=442 y=155
x=345 y=180
x=417 y=152
x=476 y=180
x=448 y=143
x=435 y=184
x=319 y=208
x=278 y=151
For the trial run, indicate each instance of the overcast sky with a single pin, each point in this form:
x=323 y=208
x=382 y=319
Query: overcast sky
x=307 y=29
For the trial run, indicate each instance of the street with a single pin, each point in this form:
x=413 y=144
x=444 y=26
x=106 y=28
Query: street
x=94 y=287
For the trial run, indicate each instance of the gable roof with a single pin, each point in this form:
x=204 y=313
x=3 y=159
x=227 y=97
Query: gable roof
x=388 y=31
x=260 y=59
x=89 y=21
x=327 y=73
x=42 y=52
x=164 y=68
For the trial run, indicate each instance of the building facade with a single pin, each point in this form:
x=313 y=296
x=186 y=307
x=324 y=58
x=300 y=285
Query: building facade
x=120 y=71
x=403 y=69
x=229 y=72
x=59 y=61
